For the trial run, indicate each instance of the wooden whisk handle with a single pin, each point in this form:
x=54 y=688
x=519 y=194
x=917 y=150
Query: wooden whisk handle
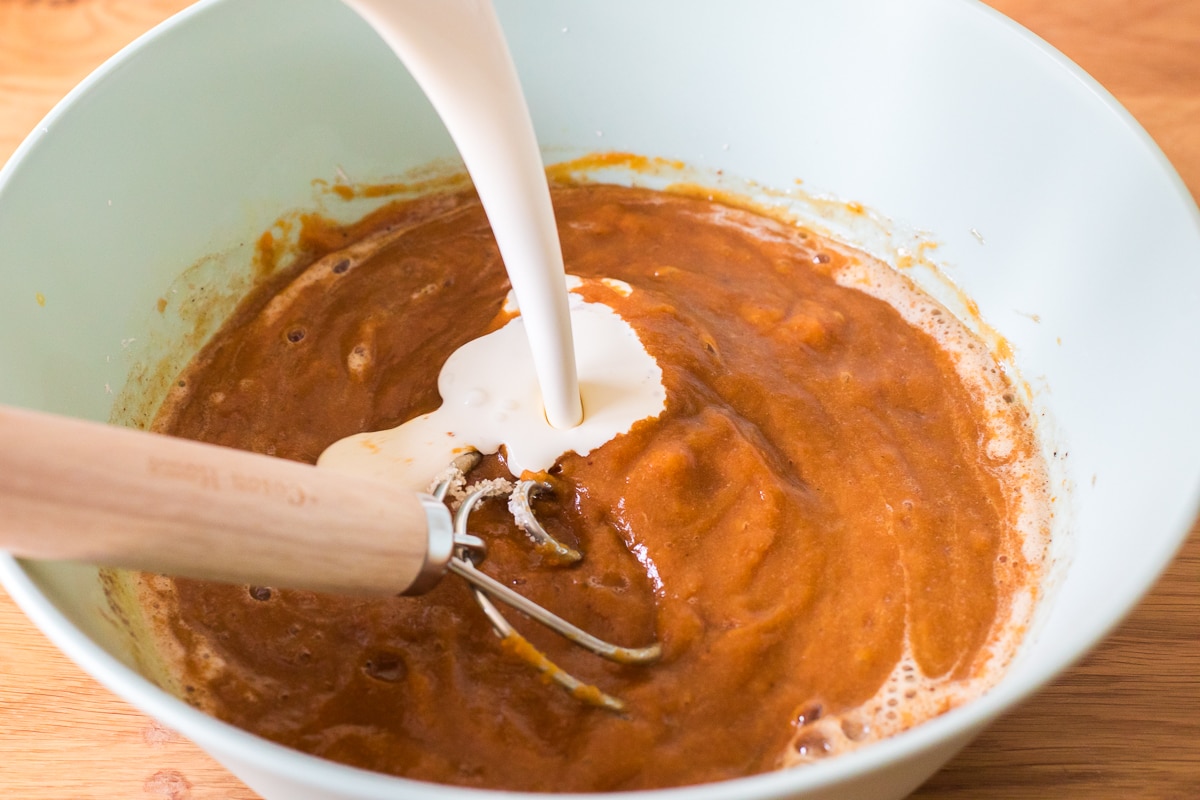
x=83 y=491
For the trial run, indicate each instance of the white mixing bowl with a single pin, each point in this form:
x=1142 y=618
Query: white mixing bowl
x=1051 y=207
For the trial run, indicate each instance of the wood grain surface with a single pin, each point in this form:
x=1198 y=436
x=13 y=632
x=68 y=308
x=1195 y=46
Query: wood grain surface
x=1124 y=723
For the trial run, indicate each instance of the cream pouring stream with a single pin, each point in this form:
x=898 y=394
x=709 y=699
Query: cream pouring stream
x=582 y=356
x=455 y=50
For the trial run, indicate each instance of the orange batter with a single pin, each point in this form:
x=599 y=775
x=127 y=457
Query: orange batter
x=816 y=513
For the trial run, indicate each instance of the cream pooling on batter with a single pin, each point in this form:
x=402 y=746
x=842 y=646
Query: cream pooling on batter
x=490 y=397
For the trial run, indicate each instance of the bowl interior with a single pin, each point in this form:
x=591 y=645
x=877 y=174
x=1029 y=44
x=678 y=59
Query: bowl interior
x=1049 y=206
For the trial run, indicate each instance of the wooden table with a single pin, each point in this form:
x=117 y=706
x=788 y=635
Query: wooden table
x=1125 y=723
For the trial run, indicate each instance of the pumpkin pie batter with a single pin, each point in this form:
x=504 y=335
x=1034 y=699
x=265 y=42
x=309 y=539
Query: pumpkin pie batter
x=828 y=528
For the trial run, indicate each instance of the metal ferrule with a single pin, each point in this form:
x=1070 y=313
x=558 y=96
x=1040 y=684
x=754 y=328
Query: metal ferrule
x=440 y=526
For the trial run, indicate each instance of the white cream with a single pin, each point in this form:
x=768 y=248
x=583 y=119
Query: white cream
x=490 y=397
x=457 y=54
